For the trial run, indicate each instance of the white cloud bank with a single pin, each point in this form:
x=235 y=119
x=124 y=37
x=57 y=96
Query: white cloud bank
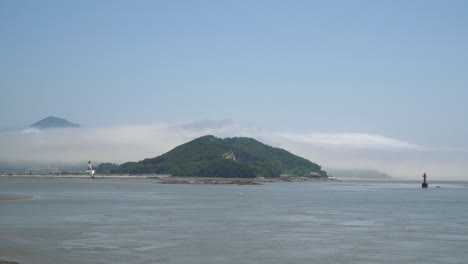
x=351 y=140
x=136 y=142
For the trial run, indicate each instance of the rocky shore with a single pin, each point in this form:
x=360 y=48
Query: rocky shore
x=237 y=181
x=201 y=180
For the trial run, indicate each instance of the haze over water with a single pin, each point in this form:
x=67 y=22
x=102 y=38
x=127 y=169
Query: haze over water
x=137 y=221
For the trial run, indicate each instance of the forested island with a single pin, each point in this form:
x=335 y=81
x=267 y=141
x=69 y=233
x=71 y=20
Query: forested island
x=209 y=156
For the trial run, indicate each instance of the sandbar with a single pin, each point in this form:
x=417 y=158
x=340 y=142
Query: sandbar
x=2 y=261
x=14 y=197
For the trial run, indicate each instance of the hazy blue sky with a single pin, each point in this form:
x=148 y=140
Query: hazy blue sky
x=396 y=69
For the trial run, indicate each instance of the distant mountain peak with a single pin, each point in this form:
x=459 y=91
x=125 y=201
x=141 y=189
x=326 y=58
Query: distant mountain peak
x=53 y=122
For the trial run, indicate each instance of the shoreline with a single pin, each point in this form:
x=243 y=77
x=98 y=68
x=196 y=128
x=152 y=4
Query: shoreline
x=73 y=176
x=167 y=179
x=236 y=181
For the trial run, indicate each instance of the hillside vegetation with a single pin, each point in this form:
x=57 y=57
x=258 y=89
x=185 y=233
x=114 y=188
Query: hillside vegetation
x=209 y=156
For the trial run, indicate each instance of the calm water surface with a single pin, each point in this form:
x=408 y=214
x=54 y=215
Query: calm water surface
x=138 y=221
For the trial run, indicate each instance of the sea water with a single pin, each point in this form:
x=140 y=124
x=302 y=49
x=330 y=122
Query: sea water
x=139 y=221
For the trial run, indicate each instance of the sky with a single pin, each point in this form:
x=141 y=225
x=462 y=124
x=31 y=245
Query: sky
x=347 y=84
